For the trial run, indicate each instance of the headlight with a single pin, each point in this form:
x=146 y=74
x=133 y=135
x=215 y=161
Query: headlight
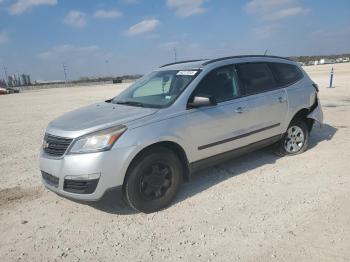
x=98 y=141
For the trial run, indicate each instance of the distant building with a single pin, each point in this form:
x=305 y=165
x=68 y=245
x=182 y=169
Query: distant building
x=25 y=80
x=117 y=80
x=18 y=80
x=19 y=83
x=339 y=60
x=12 y=80
x=48 y=82
x=324 y=61
x=3 y=83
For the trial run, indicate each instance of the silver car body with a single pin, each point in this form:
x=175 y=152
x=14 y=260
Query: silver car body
x=195 y=131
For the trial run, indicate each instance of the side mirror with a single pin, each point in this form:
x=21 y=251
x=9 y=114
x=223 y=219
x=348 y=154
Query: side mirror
x=200 y=101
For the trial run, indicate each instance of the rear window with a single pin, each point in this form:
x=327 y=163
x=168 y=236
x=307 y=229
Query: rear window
x=255 y=78
x=286 y=74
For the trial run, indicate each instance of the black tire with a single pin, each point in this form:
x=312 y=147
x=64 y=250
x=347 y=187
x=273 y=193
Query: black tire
x=153 y=180
x=286 y=147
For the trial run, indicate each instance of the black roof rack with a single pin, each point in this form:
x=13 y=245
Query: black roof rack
x=242 y=56
x=181 y=62
x=207 y=61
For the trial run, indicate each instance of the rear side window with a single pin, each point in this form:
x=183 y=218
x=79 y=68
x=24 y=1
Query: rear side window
x=286 y=74
x=255 y=78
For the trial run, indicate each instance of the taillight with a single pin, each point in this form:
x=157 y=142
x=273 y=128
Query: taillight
x=316 y=87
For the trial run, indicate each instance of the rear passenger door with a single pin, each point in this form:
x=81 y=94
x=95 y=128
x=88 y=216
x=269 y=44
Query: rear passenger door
x=267 y=103
x=289 y=76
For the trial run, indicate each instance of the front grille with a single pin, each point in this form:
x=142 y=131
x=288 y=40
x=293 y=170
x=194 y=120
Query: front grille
x=80 y=186
x=55 y=145
x=50 y=179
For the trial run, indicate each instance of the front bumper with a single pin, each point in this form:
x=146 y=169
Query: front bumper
x=107 y=169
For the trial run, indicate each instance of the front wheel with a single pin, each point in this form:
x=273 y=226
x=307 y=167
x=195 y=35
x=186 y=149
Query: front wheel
x=295 y=140
x=153 y=180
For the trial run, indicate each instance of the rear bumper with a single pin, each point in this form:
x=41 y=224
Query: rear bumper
x=85 y=177
x=316 y=114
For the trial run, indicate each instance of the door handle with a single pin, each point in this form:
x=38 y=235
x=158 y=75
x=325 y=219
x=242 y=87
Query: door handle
x=281 y=99
x=239 y=110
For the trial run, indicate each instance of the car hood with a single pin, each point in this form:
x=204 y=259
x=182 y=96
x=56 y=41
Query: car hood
x=96 y=117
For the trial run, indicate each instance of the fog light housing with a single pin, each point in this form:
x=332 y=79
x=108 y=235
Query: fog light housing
x=84 y=177
x=82 y=184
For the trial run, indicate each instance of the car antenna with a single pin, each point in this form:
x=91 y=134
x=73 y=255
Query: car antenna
x=266 y=51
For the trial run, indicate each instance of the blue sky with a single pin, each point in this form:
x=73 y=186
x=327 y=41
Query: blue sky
x=114 y=37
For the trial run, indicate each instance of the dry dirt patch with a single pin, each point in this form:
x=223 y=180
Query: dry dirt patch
x=17 y=194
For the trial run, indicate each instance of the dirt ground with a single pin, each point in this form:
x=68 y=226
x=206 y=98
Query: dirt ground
x=258 y=207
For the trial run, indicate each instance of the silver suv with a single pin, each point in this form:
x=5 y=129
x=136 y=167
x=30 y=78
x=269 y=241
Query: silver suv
x=181 y=117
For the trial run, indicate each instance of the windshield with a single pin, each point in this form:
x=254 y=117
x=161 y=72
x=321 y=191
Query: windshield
x=158 y=89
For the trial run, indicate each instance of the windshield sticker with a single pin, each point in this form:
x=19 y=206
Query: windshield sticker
x=167 y=97
x=186 y=73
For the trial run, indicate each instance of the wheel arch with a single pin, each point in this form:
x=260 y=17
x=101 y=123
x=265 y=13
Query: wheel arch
x=174 y=147
x=303 y=115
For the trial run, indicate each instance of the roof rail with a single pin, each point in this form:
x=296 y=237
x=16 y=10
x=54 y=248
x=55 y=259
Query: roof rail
x=181 y=62
x=242 y=56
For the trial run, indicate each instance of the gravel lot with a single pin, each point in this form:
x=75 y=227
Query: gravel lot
x=258 y=207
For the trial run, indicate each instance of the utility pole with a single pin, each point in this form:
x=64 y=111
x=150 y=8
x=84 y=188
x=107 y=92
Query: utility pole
x=65 y=74
x=175 y=54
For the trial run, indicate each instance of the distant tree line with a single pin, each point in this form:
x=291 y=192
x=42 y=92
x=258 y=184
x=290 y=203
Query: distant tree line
x=92 y=80
x=106 y=79
x=306 y=59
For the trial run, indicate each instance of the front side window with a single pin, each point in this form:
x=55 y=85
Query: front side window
x=255 y=78
x=220 y=83
x=286 y=74
x=158 y=89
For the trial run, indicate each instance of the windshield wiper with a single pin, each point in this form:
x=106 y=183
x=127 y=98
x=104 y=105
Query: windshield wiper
x=130 y=103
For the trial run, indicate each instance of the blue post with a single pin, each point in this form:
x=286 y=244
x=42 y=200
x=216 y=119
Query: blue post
x=331 y=80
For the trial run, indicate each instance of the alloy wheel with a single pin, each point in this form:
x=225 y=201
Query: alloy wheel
x=294 y=140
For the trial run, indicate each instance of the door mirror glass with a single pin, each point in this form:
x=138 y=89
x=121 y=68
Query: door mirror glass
x=200 y=101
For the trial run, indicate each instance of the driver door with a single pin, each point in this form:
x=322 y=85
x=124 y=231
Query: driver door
x=216 y=129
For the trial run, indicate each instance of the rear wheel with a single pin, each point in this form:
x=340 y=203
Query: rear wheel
x=153 y=180
x=295 y=140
